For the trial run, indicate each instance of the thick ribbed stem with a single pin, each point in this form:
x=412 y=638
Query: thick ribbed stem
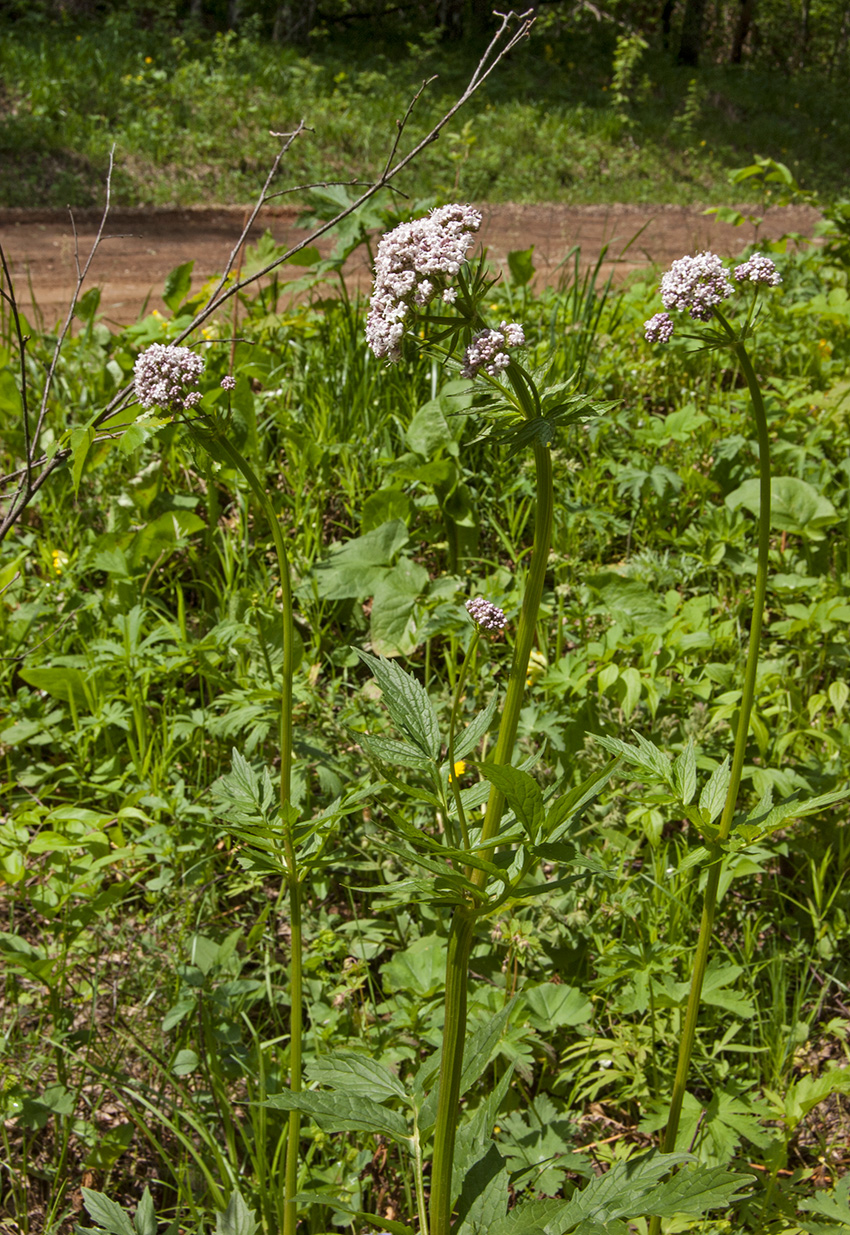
x=709 y=905
x=451 y=1067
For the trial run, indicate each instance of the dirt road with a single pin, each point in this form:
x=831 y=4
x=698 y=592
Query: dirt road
x=143 y=245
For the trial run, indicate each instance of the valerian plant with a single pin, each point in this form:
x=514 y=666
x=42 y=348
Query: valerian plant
x=488 y=849
x=698 y=286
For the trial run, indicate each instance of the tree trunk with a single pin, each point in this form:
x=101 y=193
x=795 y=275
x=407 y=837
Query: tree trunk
x=742 y=29
x=690 y=44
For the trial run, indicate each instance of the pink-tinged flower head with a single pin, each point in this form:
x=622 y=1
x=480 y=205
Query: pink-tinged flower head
x=168 y=377
x=696 y=284
x=228 y=383
x=486 y=615
x=758 y=269
x=413 y=264
x=659 y=328
x=486 y=351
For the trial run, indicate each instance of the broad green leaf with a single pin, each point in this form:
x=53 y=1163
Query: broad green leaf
x=521 y=791
x=185 y=1063
x=10 y=396
x=407 y=702
x=351 y=570
x=419 y=968
x=336 y=1112
x=385 y=506
x=555 y=1005
x=63 y=683
x=177 y=285
x=356 y=1074
x=795 y=505
x=108 y=1213
x=392 y=629
x=237 y=1219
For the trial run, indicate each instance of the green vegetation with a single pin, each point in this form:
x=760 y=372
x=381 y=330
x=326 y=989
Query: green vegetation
x=146 y=1011
x=577 y=116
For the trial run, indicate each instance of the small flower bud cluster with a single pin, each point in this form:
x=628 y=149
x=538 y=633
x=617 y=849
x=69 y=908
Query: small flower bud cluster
x=659 y=328
x=696 y=284
x=413 y=262
x=486 y=350
x=168 y=377
x=485 y=615
x=758 y=269
x=228 y=383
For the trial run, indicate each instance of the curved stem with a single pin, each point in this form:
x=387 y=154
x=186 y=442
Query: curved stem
x=467 y=660
x=748 y=694
x=451 y=1067
x=290 y=1214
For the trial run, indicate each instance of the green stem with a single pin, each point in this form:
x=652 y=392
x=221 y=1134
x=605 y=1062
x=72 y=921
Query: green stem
x=463 y=921
x=709 y=906
x=290 y=1217
x=526 y=630
x=421 y=1206
x=453 y=781
x=451 y=1067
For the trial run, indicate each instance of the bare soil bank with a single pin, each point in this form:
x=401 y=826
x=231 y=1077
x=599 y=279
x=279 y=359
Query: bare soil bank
x=143 y=245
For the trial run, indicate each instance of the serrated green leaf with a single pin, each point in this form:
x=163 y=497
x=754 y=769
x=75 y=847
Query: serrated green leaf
x=693 y=1191
x=336 y=1112
x=713 y=794
x=390 y=750
x=685 y=774
x=107 y=1212
x=356 y=1074
x=521 y=791
x=407 y=702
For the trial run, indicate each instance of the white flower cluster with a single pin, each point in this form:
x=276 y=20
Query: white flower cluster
x=486 y=349
x=168 y=377
x=413 y=262
x=486 y=615
x=659 y=328
x=696 y=284
x=758 y=269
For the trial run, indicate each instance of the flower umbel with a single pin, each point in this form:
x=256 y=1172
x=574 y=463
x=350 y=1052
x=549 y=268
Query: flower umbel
x=414 y=262
x=168 y=377
x=659 y=328
x=486 y=350
x=486 y=615
x=696 y=284
x=758 y=269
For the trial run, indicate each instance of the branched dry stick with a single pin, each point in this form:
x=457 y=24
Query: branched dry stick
x=28 y=483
